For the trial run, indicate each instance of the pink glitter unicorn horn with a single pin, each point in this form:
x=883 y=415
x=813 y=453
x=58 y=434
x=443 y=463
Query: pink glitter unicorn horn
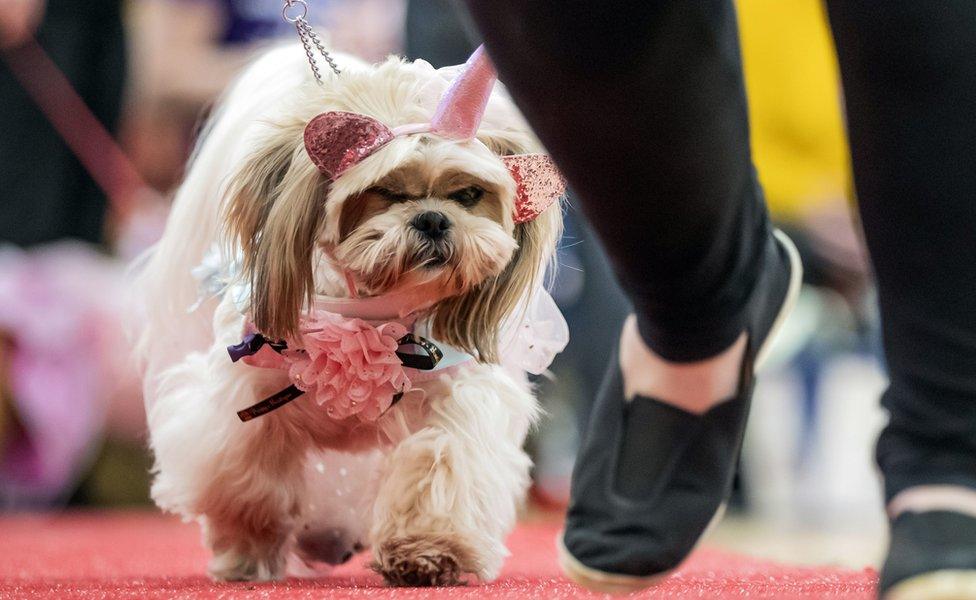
x=459 y=112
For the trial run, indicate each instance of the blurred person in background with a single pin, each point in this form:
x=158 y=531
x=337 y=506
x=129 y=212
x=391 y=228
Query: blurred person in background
x=436 y=32
x=61 y=347
x=185 y=52
x=651 y=129
x=47 y=194
x=796 y=468
x=797 y=135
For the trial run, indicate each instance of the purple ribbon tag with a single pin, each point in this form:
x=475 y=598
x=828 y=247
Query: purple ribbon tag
x=250 y=345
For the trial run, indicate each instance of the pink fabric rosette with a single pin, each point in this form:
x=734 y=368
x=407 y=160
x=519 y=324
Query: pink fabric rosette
x=348 y=365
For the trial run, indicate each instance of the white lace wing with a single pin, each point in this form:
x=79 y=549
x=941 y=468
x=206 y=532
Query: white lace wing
x=218 y=275
x=535 y=335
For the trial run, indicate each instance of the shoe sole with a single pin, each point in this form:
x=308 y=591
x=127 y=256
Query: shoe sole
x=947 y=584
x=617 y=583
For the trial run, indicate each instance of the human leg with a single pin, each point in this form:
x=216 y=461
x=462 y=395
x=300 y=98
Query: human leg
x=910 y=89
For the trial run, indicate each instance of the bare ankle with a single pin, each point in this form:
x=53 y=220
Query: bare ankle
x=695 y=386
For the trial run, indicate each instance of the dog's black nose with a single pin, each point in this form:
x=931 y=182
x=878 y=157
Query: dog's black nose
x=431 y=223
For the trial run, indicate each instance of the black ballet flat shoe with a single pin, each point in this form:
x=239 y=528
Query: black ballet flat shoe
x=931 y=556
x=649 y=477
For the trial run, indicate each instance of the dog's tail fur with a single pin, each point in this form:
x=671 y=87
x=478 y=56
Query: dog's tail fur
x=164 y=287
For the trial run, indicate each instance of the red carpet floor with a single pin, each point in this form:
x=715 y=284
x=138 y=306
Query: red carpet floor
x=133 y=555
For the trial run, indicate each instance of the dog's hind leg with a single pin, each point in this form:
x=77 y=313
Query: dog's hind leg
x=251 y=505
x=451 y=490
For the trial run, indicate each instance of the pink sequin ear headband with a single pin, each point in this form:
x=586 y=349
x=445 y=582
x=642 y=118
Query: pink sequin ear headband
x=335 y=141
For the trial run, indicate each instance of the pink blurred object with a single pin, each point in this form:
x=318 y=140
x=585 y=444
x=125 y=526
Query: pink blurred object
x=62 y=307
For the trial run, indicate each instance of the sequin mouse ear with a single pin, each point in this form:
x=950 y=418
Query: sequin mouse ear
x=338 y=140
x=538 y=184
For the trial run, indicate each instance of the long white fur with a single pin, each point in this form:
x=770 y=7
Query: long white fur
x=456 y=470
x=165 y=285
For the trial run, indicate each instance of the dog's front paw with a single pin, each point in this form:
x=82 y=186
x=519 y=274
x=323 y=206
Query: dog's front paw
x=438 y=560
x=231 y=565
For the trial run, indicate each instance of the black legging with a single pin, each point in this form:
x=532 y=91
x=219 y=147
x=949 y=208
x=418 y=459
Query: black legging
x=642 y=104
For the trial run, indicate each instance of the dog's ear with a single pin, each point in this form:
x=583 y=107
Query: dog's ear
x=274 y=207
x=473 y=321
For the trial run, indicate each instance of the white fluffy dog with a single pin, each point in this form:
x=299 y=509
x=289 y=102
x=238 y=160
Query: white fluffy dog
x=423 y=224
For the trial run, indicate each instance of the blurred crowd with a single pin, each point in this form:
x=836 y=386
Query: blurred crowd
x=100 y=103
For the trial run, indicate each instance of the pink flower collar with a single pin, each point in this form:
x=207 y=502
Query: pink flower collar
x=350 y=356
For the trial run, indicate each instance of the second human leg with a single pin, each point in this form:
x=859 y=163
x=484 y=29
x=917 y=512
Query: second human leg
x=910 y=90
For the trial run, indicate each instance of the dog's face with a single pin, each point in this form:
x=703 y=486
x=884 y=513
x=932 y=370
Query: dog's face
x=422 y=211
x=442 y=218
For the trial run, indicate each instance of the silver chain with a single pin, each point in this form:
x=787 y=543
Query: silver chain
x=308 y=37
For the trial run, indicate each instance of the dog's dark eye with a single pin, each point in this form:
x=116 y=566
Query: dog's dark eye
x=468 y=196
x=391 y=195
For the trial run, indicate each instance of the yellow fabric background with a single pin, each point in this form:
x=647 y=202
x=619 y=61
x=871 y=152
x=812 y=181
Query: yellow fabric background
x=798 y=139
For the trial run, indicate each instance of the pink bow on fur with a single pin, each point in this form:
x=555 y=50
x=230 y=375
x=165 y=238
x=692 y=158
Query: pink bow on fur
x=337 y=140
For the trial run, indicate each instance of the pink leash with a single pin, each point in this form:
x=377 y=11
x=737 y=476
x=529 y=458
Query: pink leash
x=81 y=130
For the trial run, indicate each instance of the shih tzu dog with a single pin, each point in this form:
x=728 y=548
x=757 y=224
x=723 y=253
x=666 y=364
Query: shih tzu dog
x=355 y=374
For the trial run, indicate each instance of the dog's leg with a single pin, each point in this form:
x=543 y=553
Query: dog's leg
x=252 y=504
x=451 y=490
x=241 y=480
